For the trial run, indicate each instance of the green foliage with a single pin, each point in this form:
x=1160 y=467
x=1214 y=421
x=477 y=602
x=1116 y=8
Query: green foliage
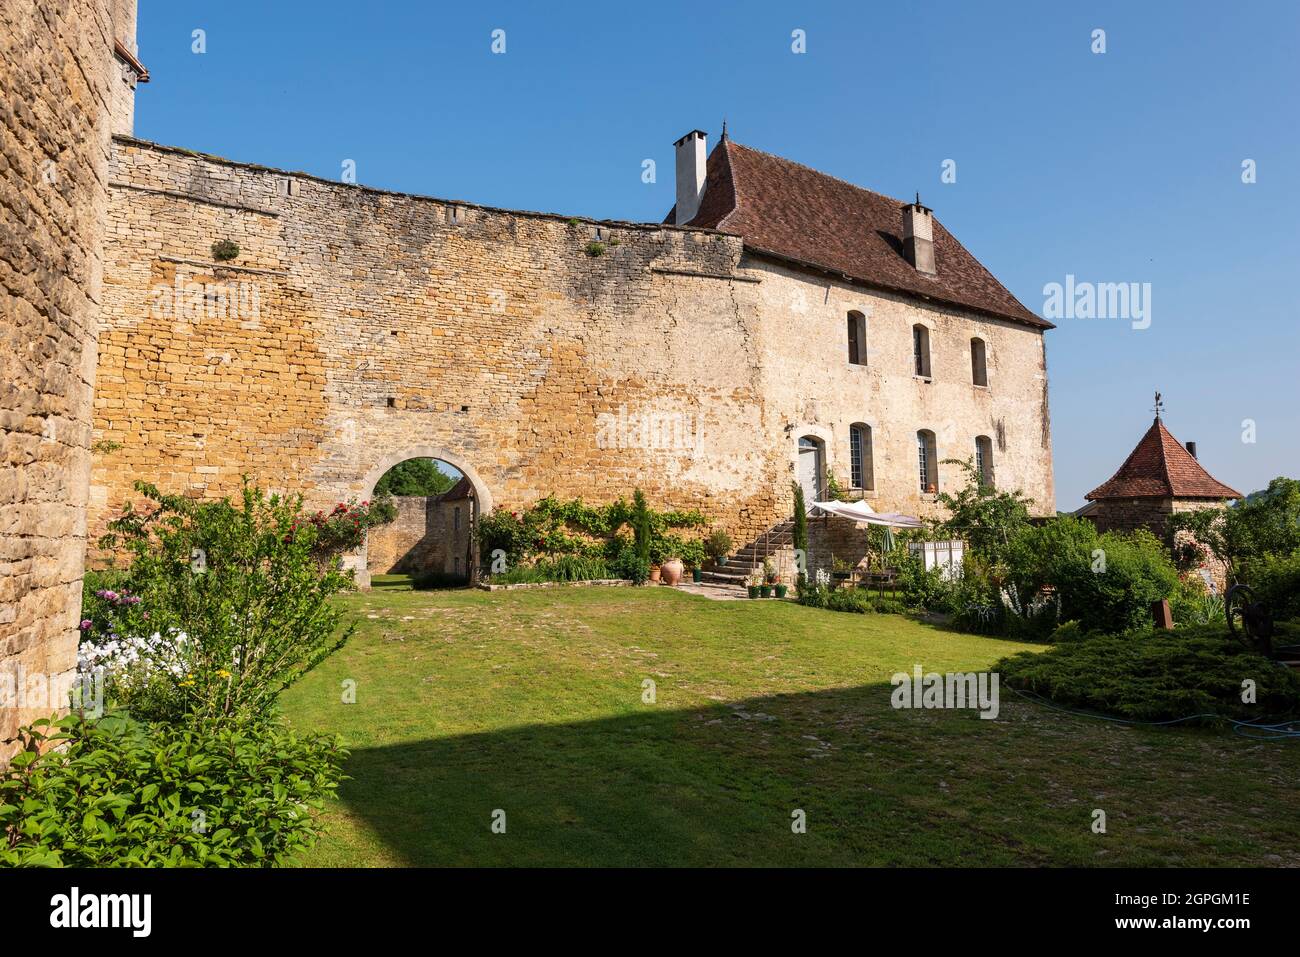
x=1192 y=604
x=236 y=594
x=718 y=544
x=800 y=524
x=1106 y=582
x=922 y=588
x=595 y=249
x=988 y=520
x=564 y=568
x=224 y=250
x=835 y=492
x=551 y=528
x=1156 y=675
x=1265 y=523
x=1275 y=580
x=121 y=793
x=641 y=527
x=414 y=477
x=343 y=528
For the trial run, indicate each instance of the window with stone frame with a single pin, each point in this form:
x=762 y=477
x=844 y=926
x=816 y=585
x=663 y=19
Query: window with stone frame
x=921 y=351
x=979 y=373
x=984 y=459
x=927 y=461
x=861 y=470
x=857 y=325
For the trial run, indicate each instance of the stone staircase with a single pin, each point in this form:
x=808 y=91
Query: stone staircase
x=749 y=558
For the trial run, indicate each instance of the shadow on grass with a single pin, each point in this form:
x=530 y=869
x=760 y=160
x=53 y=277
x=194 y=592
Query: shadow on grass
x=707 y=786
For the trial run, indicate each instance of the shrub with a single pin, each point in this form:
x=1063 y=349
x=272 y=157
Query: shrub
x=343 y=528
x=233 y=605
x=1105 y=582
x=718 y=544
x=224 y=250
x=849 y=599
x=641 y=527
x=1275 y=580
x=987 y=519
x=922 y=588
x=121 y=793
x=1156 y=675
x=565 y=568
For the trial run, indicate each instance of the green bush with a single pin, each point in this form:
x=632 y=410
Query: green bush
x=1105 y=582
x=922 y=588
x=1156 y=675
x=1275 y=580
x=222 y=608
x=121 y=793
x=565 y=568
x=850 y=600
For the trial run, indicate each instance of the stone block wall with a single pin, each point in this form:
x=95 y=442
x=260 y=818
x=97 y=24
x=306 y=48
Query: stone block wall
x=356 y=328
x=55 y=69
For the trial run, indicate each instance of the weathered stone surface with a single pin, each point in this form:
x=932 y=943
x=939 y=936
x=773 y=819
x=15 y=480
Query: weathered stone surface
x=358 y=327
x=55 y=63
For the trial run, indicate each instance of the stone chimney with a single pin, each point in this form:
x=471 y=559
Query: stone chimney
x=918 y=237
x=128 y=69
x=1191 y=449
x=692 y=157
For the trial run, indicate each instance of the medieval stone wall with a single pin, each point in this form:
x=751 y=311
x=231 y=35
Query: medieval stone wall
x=55 y=62
x=356 y=328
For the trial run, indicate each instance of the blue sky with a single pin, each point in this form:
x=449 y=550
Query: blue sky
x=1124 y=166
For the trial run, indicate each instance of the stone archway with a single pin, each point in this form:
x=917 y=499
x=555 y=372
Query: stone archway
x=481 y=499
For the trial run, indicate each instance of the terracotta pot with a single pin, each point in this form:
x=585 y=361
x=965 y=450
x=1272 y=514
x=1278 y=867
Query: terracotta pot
x=672 y=571
x=654 y=574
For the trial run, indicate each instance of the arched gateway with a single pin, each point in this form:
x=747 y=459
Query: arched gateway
x=480 y=499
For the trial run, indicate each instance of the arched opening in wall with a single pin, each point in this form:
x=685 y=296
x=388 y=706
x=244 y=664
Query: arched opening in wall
x=927 y=454
x=812 y=468
x=861 y=469
x=921 y=351
x=984 y=459
x=857 y=324
x=979 y=372
x=431 y=542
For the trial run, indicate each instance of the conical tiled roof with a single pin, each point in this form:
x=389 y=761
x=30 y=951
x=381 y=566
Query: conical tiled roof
x=1161 y=468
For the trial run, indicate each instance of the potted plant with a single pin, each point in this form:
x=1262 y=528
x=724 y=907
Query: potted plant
x=840 y=569
x=717 y=547
x=752 y=586
x=770 y=577
x=693 y=557
x=655 y=573
x=764 y=586
x=780 y=589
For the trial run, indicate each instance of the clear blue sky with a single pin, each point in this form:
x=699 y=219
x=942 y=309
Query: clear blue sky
x=1115 y=167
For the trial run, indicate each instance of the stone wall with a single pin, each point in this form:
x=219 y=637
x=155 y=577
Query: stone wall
x=55 y=68
x=357 y=328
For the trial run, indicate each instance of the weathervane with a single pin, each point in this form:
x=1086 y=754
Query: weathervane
x=1160 y=406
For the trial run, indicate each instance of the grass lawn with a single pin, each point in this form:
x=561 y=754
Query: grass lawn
x=531 y=702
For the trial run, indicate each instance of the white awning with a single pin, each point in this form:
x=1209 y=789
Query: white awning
x=862 y=512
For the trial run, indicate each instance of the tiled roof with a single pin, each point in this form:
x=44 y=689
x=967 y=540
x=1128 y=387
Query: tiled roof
x=1161 y=468
x=795 y=213
x=462 y=489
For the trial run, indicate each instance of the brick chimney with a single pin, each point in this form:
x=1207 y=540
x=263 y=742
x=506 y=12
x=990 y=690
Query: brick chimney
x=691 y=160
x=918 y=237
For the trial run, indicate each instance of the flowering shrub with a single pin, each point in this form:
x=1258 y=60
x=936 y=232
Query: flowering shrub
x=232 y=597
x=343 y=528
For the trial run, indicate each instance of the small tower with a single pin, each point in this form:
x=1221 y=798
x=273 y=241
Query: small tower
x=1159 y=478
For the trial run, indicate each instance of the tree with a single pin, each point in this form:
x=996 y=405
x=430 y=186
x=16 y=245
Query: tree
x=414 y=477
x=800 y=525
x=982 y=516
x=642 y=526
x=1264 y=523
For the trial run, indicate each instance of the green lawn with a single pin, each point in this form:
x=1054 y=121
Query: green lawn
x=531 y=702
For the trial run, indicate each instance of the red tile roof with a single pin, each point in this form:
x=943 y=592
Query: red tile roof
x=1161 y=468
x=793 y=212
x=462 y=489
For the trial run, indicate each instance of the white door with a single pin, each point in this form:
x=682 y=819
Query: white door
x=810 y=470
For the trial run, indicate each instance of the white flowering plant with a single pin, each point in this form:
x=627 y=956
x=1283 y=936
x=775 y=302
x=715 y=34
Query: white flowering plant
x=223 y=606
